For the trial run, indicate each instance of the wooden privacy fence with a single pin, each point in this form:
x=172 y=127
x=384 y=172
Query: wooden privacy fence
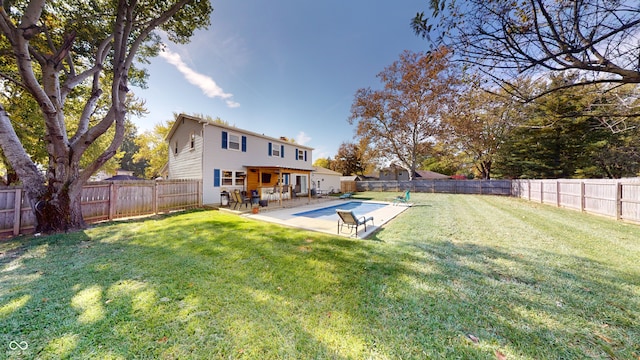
x=490 y=187
x=615 y=198
x=348 y=186
x=106 y=200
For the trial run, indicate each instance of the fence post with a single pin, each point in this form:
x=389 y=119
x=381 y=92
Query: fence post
x=155 y=198
x=558 y=193
x=583 y=203
x=541 y=192
x=619 y=201
x=112 y=200
x=17 y=211
x=529 y=190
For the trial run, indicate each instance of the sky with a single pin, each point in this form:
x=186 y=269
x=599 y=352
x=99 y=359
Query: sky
x=282 y=67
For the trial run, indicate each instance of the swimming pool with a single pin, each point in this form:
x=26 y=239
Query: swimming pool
x=329 y=213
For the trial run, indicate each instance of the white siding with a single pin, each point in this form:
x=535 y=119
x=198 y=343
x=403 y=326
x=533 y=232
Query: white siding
x=327 y=181
x=256 y=154
x=208 y=154
x=187 y=162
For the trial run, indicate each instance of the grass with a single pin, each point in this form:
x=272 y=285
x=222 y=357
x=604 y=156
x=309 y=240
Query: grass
x=456 y=276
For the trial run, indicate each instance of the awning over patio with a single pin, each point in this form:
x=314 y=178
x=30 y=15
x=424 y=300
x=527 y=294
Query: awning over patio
x=260 y=177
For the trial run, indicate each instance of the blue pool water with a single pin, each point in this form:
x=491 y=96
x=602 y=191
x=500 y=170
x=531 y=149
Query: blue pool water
x=329 y=213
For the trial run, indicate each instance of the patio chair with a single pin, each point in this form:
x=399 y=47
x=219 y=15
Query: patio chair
x=272 y=194
x=347 y=217
x=402 y=198
x=346 y=195
x=285 y=192
x=232 y=199
x=242 y=199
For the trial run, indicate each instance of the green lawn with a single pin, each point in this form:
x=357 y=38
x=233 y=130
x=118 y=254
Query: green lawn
x=455 y=276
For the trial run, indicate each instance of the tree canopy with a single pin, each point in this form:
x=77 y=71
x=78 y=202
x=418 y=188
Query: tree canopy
x=477 y=125
x=153 y=149
x=60 y=53
x=510 y=39
x=402 y=118
x=555 y=138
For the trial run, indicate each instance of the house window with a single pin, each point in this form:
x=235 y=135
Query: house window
x=192 y=144
x=233 y=178
x=227 y=178
x=234 y=142
x=300 y=154
x=240 y=176
x=175 y=148
x=275 y=151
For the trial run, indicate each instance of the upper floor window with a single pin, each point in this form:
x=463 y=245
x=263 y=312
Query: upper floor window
x=234 y=141
x=192 y=144
x=301 y=154
x=276 y=150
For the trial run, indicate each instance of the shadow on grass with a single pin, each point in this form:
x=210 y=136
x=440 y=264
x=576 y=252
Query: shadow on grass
x=211 y=285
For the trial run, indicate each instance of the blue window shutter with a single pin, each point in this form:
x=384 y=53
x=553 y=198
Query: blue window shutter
x=244 y=144
x=297 y=151
x=224 y=139
x=270 y=146
x=216 y=177
x=305 y=155
x=281 y=151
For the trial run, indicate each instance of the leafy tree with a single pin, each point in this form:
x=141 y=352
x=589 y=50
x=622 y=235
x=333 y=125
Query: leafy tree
x=55 y=48
x=444 y=163
x=25 y=113
x=153 y=149
x=130 y=149
x=508 y=39
x=559 y=141
x=477 y=125
x=351 y=159
x=401 y=119
x=618 y=158
x=323 y=162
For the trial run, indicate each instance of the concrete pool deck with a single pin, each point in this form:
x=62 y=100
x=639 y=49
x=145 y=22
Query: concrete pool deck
x=286 y=217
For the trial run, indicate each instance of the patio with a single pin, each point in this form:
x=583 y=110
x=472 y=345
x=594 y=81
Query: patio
x=286 y=215
x=273 y=205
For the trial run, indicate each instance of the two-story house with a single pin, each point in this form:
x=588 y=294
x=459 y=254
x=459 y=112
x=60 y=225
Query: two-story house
x=227 y=158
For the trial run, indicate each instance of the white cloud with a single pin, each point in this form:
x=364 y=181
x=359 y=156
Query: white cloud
x=302 y=138
x=204 y=82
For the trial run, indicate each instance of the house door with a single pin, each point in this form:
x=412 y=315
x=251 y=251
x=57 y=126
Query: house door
x=301 y=184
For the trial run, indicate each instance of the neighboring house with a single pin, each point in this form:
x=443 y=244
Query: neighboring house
x=359 y=178
x=227 y=158
x=430 y=175
x=325 y=180
x=394 y=172
x=120 y=175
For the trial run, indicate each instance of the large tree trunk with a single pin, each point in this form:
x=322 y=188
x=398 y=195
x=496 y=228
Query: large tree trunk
x=57 y=211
